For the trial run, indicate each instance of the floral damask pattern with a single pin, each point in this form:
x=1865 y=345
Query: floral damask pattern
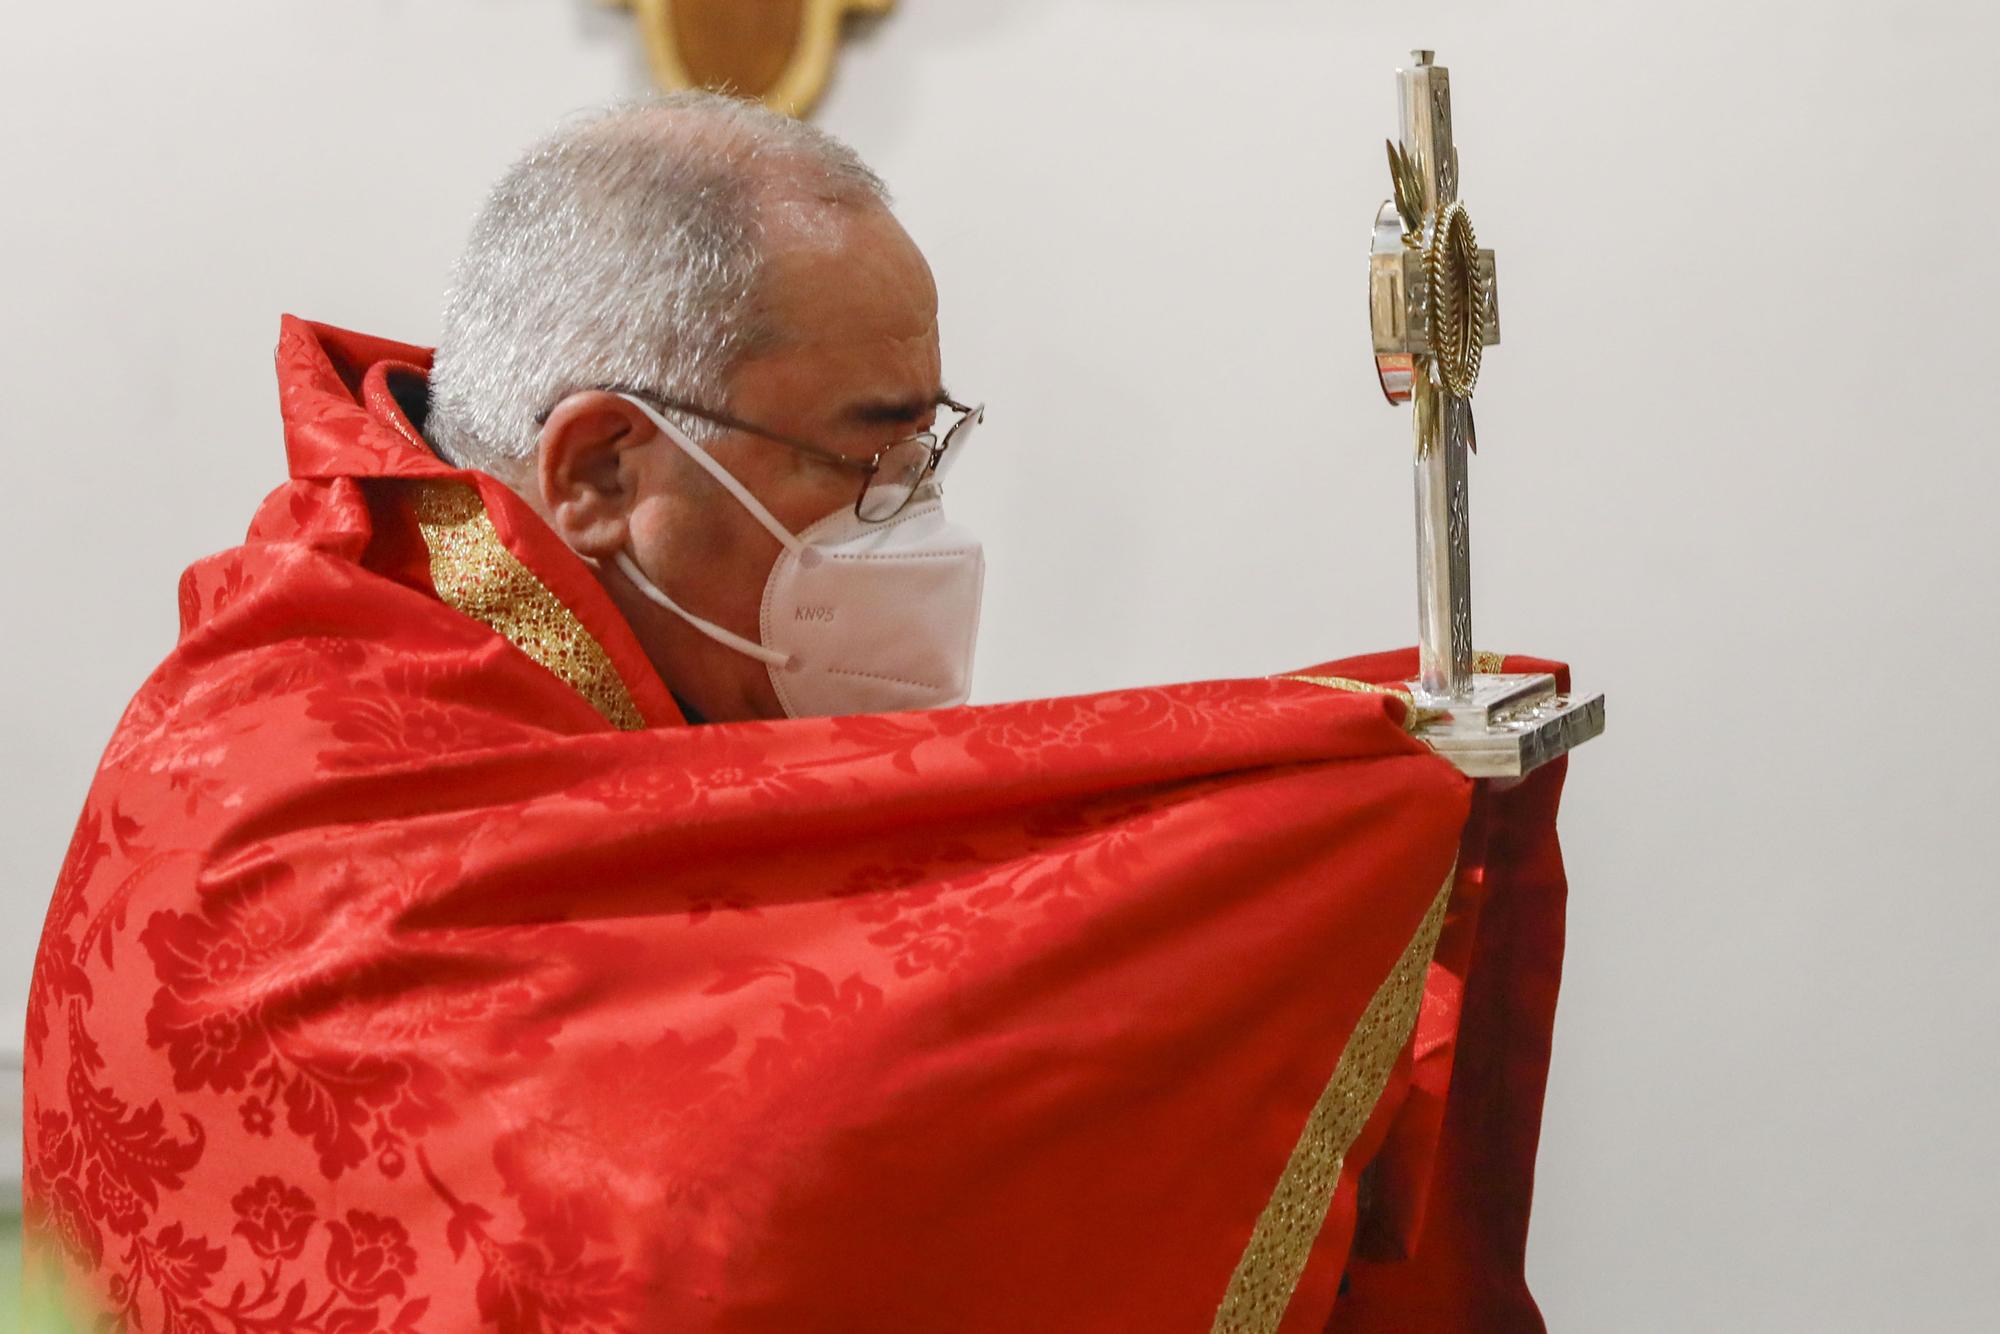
x=367 y=1261
x=939 y=937
x=225 y=1022
x=273 y=1217
x=524 y=1288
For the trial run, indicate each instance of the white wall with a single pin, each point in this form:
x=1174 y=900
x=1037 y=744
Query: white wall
x=1738 y=468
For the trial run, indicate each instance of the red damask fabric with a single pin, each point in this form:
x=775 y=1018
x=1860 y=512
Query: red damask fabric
x=1442 y=1244
x=388 y=986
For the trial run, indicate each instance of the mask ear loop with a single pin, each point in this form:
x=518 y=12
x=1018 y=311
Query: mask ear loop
x=807 y=556
x=652 y=590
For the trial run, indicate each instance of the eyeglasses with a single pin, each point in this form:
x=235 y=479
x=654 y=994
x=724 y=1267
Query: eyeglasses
x=888 y=480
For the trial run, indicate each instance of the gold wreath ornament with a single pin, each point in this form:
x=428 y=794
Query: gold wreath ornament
x=1457 y=298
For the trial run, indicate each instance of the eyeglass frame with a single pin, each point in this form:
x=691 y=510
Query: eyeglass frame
x=967 y=418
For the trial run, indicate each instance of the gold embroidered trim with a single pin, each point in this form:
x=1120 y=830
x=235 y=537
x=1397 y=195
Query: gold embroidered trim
x=1487 y=663
x=1268 y=1274
x=1413 y=717
x=476 y=574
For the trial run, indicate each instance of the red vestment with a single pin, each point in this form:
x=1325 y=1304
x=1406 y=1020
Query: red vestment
x=414 y=967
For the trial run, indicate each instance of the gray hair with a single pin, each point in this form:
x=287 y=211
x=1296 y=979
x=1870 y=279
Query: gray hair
x=622 y=250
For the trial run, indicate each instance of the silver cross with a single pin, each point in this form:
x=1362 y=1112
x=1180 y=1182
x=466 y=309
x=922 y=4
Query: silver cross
x=1434 y=307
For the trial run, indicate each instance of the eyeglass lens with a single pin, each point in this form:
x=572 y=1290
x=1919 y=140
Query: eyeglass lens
x=902 y=468
x=897 y=473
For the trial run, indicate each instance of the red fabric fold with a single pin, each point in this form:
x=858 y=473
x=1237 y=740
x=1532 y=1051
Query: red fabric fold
x=1451 y=1149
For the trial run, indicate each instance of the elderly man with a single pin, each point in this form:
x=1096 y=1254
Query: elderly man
x=415 y=966
x=734 y=438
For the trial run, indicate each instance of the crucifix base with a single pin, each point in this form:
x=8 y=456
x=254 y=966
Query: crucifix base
x=1507 y=725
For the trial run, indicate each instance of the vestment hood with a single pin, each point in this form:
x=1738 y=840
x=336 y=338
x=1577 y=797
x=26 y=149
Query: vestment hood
x=366 y=490
x=337 y=391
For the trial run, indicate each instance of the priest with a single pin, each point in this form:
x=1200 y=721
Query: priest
x=554 y=884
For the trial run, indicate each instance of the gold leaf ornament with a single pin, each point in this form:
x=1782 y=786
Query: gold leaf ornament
x=780 y=52
x=1409 y=192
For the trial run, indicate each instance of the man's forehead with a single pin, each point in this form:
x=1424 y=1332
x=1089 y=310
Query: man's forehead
x=859 y=380
x=851 y=281
x=795 y=220
x=849 y=311
x=855 y=248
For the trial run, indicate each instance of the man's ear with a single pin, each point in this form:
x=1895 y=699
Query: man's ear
x=588 y=486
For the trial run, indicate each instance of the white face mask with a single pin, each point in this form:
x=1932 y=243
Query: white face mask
x=858 y=617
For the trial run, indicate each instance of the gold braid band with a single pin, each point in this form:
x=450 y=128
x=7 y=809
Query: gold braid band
x=1457 y=298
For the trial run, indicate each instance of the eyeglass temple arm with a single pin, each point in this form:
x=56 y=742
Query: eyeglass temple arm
x=803 y=446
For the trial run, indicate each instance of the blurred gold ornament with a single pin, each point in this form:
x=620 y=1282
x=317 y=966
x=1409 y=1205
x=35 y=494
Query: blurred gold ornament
x=777 y=51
